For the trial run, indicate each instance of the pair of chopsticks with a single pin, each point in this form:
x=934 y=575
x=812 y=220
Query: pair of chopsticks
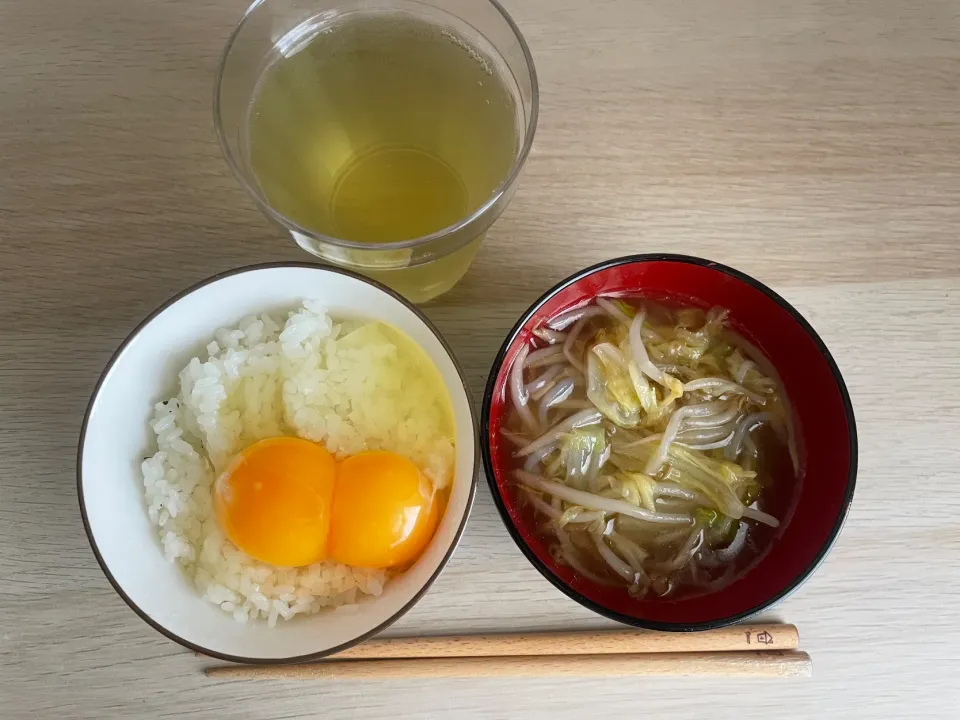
x=767 y=650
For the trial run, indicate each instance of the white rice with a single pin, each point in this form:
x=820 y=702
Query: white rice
x=351 y=386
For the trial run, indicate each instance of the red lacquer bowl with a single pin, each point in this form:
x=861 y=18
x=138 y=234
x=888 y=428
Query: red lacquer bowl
x=825 y=429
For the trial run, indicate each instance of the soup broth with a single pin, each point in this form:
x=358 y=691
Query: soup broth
x=654 y=445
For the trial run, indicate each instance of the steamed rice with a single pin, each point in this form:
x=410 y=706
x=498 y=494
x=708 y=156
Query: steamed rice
x=352 y=386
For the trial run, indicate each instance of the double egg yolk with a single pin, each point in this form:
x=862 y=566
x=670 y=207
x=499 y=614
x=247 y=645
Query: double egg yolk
x=286 y=501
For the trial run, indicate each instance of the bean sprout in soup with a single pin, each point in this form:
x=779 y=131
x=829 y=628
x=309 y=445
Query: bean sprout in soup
x=654 y=445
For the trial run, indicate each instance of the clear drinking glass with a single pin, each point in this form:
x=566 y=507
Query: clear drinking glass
x=420 y=268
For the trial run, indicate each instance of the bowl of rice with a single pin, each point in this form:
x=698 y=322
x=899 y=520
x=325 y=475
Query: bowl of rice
x=281 y=350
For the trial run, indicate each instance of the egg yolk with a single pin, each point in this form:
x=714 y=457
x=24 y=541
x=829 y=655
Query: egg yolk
x=384 y=511
x=274 y=501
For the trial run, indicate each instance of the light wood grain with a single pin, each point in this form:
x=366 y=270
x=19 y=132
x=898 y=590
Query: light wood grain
x=769 y=636
x=775 y=664
x=814 y=144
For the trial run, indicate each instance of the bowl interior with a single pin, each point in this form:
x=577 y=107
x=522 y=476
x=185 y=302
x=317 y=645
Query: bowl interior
x=116 y=439
x=814 y=502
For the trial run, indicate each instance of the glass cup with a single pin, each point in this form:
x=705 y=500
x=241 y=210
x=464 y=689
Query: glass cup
x=423 y=267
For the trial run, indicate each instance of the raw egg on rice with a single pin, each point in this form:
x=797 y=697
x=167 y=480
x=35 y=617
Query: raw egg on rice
x=384 y=511
x=274 y=500
x=287 y=502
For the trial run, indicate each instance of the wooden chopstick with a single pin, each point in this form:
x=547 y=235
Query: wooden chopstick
x=765 y=636
x=764 y=663
x=763 y=650
x=769 y=636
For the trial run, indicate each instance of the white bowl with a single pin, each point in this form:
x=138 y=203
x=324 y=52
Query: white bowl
x=116 y=437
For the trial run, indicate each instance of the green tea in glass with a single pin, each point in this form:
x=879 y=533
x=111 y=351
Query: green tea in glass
x=386 y=136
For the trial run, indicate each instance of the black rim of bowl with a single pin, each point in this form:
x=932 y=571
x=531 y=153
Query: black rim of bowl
x=393 y=618
x=558 y=582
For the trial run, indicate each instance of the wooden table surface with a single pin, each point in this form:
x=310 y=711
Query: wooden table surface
x=814 y=145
